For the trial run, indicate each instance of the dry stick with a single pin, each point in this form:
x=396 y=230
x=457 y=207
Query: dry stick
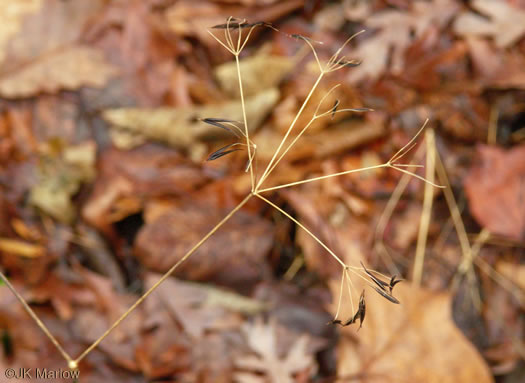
x=350 y=286
x=461 y=232
x=500 y=279
x=40 y=324
x=387 y=214
x=427 y=209
x=162 y=279
x=340 y=294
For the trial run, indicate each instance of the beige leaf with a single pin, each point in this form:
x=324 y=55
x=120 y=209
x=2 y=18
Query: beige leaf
x=262 y=340
x=21 y=248
x=179 y=127
x=415 y=341
x=506 y=24
x=395 y=35
x=11 y=14
x=259 y=73
x=69 y=68
x=60 y=178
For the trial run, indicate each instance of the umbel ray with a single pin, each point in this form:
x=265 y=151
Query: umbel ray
x=233 y=36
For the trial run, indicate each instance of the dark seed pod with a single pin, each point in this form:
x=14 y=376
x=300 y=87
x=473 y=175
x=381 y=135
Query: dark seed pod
x=221 y=152
x=389 y=297
x=377 y=281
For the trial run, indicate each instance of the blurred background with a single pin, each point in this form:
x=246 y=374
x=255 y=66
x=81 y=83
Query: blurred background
x=105 y=184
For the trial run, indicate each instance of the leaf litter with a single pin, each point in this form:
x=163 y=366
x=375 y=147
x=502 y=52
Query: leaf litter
x=142 y=71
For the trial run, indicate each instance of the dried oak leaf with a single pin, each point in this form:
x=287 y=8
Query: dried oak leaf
x=179 y=127
x=397 y=30
x=262 y=339
x=495 y=190
x=32 y=65
x=506 y=23
x=413 y=342
x=71 y=68
x=233 y=256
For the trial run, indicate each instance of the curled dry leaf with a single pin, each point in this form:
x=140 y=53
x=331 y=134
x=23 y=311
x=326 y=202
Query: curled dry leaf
x=495 y=190
x=415 y=342
x=180 y=127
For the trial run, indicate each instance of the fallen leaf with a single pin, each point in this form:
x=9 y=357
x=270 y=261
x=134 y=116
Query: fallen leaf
x=495 y=190
x=126 y=178
x=31 y=66
x=233 y=256
x=416 y=341
x=69 y=69
x=21 y=248
x=506 y=23
x=179 y=127
x=261 y=339
x=515 y=273
x=260 y=72
x=12 y=14
x=60 y=178
x=397 y=29
x=200 y=308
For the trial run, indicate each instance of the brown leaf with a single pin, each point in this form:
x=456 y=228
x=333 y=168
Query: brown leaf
x=414 y=342
x=495 y=189
x=395 y=33
x=232 y=256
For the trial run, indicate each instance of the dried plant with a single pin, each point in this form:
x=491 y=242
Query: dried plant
x=234 y=38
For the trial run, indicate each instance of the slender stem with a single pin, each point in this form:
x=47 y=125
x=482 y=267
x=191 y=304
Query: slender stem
x=323 y=177
x=245 y=120
x=162 y=279
x=35 y=317
x=340 y=294
x=428 y=199
x=266 y=171
x=304 y=228
x=350 y=286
